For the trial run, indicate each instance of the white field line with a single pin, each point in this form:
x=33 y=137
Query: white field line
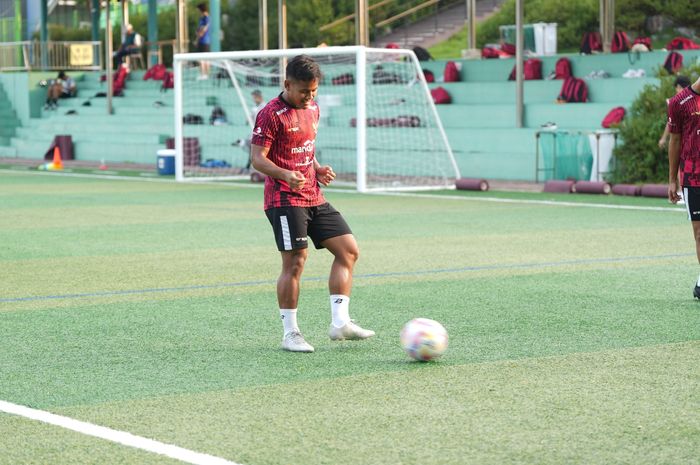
x=120 y=437
x=551 y=203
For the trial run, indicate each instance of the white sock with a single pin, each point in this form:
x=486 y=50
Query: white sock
x=698 y=281
x=289 y=319
x=340 y=309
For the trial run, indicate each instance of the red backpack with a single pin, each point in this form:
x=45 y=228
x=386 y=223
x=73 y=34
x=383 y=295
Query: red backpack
x=620 y=42
x=646 y=41
x=488 y=52
x=155 y=72
x=591 y=43
x=562 y=69
x=674 y=62
x=614 y=117
x=532 y=69
x=451 y=72
x=508 y=48
x=682 y=43
x=574 y=90
x=119 y=81
x=168 y=81
x=440 y=96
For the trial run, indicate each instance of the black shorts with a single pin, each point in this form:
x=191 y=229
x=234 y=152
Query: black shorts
x=292 y=225
x=201 y=48
x=691 y=195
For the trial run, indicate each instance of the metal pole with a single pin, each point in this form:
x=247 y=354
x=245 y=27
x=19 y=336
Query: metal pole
x=282 y=24
x=215 y=25
x=18 y=28
x=43 y=33
x=611 y=19
x=18 y=21
x=108 y=55
x=181 y=29
x=471 y=24
x=262 y=24
x=95 y=19
x=125 y=18
x=361 y=121
x=519 y=63
x=152 y=55
x=361 y=23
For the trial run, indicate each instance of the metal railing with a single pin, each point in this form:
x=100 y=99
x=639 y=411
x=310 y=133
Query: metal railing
x=64 y=55
x=162 y=51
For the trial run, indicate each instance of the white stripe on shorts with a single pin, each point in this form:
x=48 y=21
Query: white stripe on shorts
x=685 y=198
x=286 y=238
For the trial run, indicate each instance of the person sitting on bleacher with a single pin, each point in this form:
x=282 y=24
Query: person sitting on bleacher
x=62 y=87
x=129 y=46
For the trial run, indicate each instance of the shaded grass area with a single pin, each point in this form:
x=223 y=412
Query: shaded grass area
x=573 y=335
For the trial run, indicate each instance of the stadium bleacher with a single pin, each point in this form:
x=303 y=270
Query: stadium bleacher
x=480 y=121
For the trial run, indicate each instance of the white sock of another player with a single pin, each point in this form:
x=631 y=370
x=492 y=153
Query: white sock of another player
x=698 y=284
x=340 y=309
x=289 y=319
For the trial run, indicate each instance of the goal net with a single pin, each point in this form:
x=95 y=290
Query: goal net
x=379 y=128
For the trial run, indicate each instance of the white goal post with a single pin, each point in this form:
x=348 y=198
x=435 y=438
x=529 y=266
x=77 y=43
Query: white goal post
x=379 y=128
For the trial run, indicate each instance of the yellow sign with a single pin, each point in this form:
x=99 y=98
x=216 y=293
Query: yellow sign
x=81 y=55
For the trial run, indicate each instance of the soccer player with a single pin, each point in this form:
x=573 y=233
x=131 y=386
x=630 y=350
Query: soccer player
x=679 y=84
x=283 y=148
x=684 y=153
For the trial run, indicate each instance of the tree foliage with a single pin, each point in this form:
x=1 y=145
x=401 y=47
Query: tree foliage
x=583 y=16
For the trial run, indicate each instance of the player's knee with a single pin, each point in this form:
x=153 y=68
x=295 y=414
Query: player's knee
x=352 y=254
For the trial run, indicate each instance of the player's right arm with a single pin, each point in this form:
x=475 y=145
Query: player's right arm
x=674 y=156
x=263 y=164
x=674 y=126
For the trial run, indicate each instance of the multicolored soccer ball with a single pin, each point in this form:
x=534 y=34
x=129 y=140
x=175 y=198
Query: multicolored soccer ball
x=424 y=339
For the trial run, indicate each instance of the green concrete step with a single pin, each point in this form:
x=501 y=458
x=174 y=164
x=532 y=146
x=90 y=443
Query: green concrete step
x=614 y=63
x=7 y=152
x=542 y=91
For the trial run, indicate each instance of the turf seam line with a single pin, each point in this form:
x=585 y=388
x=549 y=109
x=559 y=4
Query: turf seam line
x=551 y=203
x=109 y=434
x=513 y=266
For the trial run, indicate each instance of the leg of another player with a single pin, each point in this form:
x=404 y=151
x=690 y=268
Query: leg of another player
x=696 y=234
x=288 y=297
x=345 y=252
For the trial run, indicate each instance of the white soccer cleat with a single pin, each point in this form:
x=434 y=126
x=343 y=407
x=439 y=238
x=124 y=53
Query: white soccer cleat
x=293 y=341
x=350 y=332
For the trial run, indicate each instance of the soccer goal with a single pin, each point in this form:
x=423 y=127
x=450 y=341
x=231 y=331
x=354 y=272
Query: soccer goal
x=379 y=128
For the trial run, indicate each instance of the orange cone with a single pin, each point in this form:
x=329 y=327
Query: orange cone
x=57 y=162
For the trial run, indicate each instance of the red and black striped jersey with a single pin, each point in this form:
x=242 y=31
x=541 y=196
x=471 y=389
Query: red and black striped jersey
x=290 y=133
x=684 y=119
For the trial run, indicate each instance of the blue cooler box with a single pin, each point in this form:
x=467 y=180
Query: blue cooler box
x=166 y=161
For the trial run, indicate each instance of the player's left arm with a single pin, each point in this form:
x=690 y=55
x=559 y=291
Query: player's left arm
x=324 y=174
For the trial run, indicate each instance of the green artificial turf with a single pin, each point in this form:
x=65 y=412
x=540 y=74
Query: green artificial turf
x=150 y=308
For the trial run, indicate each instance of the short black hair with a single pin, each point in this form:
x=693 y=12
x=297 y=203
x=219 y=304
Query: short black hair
x=202 y=7
x=303 y=68
x=682 y=81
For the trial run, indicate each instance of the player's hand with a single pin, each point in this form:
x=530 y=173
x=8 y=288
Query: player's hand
x=325 y=174
x=295 y=179
x=673 y=196
x=662 y=143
